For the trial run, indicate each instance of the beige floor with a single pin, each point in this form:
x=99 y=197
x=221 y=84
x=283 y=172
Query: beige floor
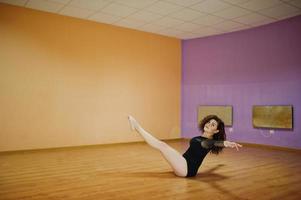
x=135 y=171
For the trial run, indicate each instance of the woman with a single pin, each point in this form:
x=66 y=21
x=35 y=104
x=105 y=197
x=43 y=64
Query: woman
x=213 y=140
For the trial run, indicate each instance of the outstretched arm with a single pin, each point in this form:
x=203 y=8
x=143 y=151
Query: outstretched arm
x=232 y=144
x=219 y=143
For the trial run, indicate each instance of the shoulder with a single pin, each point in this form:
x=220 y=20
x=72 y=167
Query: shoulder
x=207 y=143
x=197 y=138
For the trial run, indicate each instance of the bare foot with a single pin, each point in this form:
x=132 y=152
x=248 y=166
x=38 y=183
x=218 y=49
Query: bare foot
x=133 y=122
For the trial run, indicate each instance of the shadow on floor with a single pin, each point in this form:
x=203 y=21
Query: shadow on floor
x=209 y=177
x=205 y=176
x=212 y=178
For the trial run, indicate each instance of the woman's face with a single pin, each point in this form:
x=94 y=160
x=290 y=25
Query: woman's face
x=211 y=127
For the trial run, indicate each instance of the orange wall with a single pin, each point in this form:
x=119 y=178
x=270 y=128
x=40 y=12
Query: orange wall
x=69 y=82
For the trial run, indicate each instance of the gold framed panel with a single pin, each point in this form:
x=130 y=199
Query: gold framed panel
x=223 y=112
x=272 y=116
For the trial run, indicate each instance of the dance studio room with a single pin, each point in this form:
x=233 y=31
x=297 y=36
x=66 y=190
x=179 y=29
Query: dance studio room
x=150 y=99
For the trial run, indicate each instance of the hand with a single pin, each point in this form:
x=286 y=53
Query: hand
x=232 y=145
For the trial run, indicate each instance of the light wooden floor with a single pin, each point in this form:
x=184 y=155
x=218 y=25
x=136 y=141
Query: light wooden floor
x=135 y=171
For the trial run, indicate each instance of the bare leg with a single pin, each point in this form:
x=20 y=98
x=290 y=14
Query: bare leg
x=174 y=158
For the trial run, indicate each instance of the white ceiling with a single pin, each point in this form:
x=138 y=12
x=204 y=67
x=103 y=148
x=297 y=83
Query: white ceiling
x=184 y=19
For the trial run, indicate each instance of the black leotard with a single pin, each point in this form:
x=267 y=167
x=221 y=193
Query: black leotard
x=195 y=154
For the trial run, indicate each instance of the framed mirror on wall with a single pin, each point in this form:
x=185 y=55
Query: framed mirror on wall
x=225 y=113
x=272 y=116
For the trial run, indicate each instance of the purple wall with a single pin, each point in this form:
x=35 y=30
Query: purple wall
x=259 y=66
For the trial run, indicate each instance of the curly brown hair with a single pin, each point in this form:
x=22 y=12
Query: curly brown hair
x=221 y=135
